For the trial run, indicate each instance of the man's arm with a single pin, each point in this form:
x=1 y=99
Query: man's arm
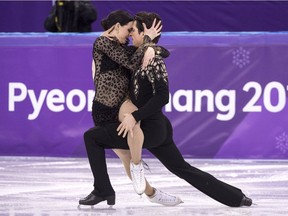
x=156 y=102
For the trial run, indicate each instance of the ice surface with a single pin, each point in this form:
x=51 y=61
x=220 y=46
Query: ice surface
x=52 y=186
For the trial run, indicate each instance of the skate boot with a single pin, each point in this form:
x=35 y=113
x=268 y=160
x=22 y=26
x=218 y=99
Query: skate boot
x=92 y=199
x=246 y=201
x=164 y=198
x=138 y=178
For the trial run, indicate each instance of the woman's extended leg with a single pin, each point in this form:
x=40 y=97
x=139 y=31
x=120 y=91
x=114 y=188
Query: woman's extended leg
x=136 y=142
x=125 y=157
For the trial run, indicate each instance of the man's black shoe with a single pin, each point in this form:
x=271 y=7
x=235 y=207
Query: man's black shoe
x=92 y=199
x=246 y=201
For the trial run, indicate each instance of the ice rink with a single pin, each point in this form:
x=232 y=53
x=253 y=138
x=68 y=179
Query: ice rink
x=52 y=186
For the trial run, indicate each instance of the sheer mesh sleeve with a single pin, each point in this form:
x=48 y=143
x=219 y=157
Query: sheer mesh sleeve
x=119 y=54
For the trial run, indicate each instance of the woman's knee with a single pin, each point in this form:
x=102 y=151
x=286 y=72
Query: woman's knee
x=137 y=128
x=137 y=131
x=126 y=107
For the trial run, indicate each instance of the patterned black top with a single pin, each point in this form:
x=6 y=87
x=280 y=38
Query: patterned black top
x=113 y=63
x=149 y=89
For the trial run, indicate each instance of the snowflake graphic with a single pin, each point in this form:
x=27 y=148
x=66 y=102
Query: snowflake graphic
x=282 y=142
x=241 y=57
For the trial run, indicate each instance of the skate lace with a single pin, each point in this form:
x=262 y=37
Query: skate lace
x=138 y=179
x=146 y=166
x=138 y=174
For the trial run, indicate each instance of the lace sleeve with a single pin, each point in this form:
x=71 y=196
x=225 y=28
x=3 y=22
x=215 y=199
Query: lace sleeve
x=118 y=53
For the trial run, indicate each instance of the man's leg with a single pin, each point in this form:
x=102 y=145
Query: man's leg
x=172 y=159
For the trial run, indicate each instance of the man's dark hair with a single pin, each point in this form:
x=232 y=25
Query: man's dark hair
x=147 y=18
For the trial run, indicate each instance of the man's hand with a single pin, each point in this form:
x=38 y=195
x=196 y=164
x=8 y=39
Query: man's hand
x=127 y=125
x=154 y=31
x=107 y=33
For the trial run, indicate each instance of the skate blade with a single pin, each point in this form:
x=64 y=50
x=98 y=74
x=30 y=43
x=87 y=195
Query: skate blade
x=93 y=208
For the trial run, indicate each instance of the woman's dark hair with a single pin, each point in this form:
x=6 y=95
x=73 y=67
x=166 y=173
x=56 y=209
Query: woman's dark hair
x=147 y=18
x=121 y=16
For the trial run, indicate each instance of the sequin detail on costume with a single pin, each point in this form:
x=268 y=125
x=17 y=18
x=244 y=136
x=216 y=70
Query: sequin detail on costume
x=156 y=70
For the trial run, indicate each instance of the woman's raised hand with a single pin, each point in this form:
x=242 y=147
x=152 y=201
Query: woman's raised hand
x=148 y=56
